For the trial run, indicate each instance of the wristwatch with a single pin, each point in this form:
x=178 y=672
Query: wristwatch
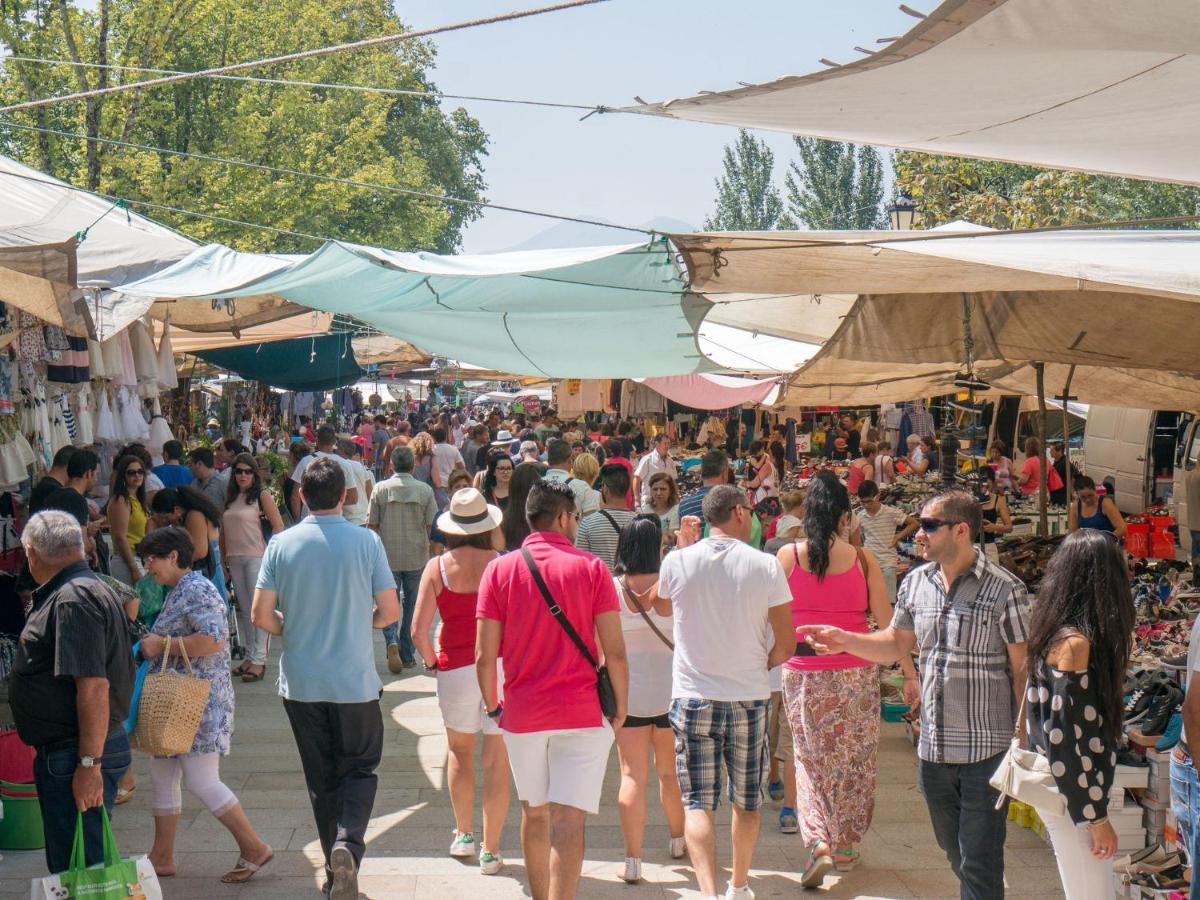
x=88 y=762
x=495 y=713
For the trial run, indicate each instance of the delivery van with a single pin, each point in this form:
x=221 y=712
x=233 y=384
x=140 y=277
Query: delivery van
x=1140 y=451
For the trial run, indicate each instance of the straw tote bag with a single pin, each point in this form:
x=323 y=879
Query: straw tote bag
x=170 y=708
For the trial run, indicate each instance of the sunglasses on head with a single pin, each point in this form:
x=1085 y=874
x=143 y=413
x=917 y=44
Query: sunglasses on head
x=241 y=471
x=931 y=525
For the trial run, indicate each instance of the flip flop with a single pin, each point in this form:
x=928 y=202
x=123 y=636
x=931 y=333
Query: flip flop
x=245 y=870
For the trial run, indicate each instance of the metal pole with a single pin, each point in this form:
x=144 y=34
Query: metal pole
x=1066 y=398
x=1043 y=519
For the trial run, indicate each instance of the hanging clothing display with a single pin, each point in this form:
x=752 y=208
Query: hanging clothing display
x=16 y=454
x=167 y=378
x=106 y=420
x=8 y=383
x=73 y=365
x=578 y=396
x=59 y=411
x=85 y=415
x=98 y=361
x=35 y=418
x=638 y=400
x=131 y=425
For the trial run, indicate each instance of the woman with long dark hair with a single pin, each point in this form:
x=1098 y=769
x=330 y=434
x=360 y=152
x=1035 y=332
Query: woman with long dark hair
x=647 y=729
x=243 y=541
x=191 y=509
x=498 y=478
x=516 y=526
x=832 y=701
x=127 y=516
x=1079 y=644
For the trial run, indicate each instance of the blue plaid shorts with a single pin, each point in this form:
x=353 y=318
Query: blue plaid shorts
x=711 y=732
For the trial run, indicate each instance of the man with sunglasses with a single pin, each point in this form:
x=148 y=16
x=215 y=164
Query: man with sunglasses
x=970 y=618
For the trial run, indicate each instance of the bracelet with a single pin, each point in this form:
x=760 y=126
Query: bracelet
x=1093 y=824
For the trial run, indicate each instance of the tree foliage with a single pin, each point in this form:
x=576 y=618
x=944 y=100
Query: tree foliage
x=1005 y=195
x=406 y=142
x=747 y=199
x=834 y=186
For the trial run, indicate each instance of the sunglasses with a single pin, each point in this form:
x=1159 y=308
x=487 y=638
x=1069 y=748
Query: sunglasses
x=135 y=472
x=931 y=525
x=241 y=471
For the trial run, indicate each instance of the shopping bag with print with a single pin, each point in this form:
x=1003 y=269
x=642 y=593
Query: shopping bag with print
x=112 y=879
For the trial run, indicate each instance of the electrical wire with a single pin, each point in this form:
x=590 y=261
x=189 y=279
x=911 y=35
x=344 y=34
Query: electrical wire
x=299 y=173
x=320 y=85
x=369 y=43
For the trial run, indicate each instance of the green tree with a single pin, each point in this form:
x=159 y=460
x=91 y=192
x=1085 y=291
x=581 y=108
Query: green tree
x=1005 y=195
x=747 y=199
x=405 y=142
x=834 y=186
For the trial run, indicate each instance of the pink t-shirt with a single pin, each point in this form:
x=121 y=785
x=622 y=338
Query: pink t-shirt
x=1032 y=468
x=548 y=685
x=838 y=600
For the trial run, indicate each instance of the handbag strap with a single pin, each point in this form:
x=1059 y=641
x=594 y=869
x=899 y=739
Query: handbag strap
x=645 y=615
x=556 y=610
x=611 y=521
x=182 y=652
x=1021 y=706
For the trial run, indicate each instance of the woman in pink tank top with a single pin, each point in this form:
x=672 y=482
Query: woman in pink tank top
x=449 y=586
x=832 y=701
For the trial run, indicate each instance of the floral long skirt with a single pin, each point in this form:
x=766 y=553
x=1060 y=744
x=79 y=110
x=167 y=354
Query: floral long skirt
x=834 y=715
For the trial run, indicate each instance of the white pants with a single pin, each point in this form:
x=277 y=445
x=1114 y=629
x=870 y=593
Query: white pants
x=203 y=776
x=1083 y=876
x=564 y=767
x=244 y=570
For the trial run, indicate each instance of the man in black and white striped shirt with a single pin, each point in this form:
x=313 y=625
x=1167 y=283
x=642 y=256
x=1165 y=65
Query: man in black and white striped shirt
x=969 y=617
x=598 y=533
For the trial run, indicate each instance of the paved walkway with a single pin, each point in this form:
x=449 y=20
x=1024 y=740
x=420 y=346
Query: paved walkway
x=406 y=854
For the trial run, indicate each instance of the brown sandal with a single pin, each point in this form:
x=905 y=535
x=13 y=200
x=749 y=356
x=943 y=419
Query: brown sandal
x=249 y=677
x=245 y=870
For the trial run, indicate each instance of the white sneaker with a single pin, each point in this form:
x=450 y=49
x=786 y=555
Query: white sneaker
x=739 y=893
x=678 y=847
x=463 y=844
x=633 y=870
x=490 y=863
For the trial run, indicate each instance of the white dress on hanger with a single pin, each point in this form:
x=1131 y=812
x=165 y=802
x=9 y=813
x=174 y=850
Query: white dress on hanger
x=60 y=432
x=167 y=378
x=16 y=456
x=106 y=421
x=131 y=425
x=85 y=422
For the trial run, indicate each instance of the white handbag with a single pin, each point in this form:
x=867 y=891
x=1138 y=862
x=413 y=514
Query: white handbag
x=1025 y=775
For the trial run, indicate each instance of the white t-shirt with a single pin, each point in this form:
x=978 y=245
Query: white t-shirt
x=447 y=458
x=347 y=471
x=649 y=659
x=357 y=511
x=720 y=591
x=648 y=466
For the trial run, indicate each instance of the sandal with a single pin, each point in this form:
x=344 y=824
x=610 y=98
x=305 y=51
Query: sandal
x=124 y=796
x=846 y=860
x=245 y=870
x=249 y=677
x=817 y=867
x=239 y=669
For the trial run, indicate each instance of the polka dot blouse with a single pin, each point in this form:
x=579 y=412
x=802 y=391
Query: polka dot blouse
x=1063 y=719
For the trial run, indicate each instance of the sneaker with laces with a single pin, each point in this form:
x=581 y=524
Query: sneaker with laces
x=739 y=893
x=788 y=823
x=462 y=845
x=678 y=847
x=490 y=863
x=633 y=870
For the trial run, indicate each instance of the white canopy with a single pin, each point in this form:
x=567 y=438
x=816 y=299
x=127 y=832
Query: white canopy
x=1110 y=86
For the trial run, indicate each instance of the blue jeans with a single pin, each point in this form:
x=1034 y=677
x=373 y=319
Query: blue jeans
x=969 y=828
x=401 y=632
x=53 y=771
x=1185 y=804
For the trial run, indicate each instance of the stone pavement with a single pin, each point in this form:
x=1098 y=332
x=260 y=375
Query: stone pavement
x=406 y=853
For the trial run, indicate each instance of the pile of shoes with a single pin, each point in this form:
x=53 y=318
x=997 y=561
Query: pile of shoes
x=1154 y=867
x=1027 y=557
x=1153 y=709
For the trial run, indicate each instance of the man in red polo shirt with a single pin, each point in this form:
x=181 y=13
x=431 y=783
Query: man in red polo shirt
x=557 y=739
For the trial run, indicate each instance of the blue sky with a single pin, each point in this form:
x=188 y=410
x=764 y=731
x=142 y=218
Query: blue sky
x=626 y=169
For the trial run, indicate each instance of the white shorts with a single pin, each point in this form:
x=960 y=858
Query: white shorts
x=565 y=767
x=461 y=701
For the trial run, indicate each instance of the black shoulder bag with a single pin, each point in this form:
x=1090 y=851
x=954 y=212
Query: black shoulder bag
x=611 y=521
x=604 y=688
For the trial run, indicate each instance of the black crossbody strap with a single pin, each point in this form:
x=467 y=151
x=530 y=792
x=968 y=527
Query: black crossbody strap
x=556 y=610
x=611 y=521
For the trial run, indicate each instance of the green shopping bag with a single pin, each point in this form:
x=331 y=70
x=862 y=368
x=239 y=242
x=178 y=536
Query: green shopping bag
x=112 y=879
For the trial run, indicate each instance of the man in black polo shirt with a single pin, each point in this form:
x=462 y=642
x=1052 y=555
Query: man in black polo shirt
x=71 y=683
x=54 y=479
x=81 y=478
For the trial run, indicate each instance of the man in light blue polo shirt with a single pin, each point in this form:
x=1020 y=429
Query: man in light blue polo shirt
x=323 y=586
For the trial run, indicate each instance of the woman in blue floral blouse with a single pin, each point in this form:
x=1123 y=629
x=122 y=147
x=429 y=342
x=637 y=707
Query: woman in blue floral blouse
x=194 y=613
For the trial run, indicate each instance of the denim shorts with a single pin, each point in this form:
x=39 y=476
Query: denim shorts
x=711 y=735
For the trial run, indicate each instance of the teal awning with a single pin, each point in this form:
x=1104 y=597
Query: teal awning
x=591 y=312
x=306 y=364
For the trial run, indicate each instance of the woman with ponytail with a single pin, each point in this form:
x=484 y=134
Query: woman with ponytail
x=832 y=701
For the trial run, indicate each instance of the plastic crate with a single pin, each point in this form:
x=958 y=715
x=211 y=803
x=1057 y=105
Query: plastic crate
x=21 y=826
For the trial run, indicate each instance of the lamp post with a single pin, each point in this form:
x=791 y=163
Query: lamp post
x=902 y=211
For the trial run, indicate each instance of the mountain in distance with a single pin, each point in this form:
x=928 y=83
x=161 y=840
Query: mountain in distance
x=573 y=234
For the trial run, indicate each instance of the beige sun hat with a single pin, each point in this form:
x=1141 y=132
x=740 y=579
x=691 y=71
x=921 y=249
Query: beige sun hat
x=469 y=513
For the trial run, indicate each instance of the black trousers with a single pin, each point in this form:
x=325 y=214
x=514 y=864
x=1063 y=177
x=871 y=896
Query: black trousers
x=340 y=747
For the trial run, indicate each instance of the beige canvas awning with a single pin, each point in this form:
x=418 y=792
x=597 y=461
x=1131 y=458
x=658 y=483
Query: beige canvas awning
x=1109 y=86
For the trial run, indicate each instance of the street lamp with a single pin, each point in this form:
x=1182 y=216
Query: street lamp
x=902 y=211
